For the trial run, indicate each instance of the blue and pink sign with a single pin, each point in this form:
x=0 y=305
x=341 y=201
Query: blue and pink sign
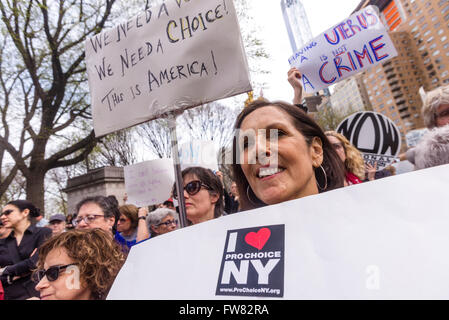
x=355 y=44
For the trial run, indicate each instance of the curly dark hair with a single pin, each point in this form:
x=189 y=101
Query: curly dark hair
x=94 y=251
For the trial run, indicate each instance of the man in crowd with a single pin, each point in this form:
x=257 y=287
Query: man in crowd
x=57 y=224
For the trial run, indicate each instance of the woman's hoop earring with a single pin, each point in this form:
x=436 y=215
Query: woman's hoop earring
x=325 y=180
x=249 y=198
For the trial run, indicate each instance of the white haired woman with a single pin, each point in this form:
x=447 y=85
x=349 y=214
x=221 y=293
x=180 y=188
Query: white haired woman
x=433 y=149
x=435 y=112
x=161 y=221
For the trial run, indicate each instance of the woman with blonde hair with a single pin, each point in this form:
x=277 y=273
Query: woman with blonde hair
x=350 y=156
x=78 y=265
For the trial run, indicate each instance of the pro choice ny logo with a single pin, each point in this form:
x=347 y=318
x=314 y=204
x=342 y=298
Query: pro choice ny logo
x=253 y=262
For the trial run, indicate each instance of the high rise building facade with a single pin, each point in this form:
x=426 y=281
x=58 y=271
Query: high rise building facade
x=349 y=95
x=419 y=30
x=296 y=22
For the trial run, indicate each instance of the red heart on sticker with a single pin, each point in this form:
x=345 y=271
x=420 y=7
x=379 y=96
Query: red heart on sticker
x=259 y=239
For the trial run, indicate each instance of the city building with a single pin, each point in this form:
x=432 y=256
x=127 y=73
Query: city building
x=349 y=96
x=393 y=87
x=296 y=22
x=420 y=32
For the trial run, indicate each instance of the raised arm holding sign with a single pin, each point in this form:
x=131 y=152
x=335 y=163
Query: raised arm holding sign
x=355 y=44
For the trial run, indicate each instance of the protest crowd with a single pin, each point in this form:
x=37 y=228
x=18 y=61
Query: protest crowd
x=37 y=257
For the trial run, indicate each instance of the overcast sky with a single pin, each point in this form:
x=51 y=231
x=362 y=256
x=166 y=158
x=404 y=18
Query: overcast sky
x=322 y=15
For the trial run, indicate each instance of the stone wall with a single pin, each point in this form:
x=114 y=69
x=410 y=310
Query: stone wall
x=104 y=181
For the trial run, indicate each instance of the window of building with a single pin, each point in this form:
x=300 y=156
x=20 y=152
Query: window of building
x=445 y=9
x=436 y=53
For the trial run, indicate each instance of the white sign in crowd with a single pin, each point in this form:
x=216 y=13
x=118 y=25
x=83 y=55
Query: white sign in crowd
x=386 y=239
x=175 y=56
x=355 y=44
x=150 y=182
x=376 y=136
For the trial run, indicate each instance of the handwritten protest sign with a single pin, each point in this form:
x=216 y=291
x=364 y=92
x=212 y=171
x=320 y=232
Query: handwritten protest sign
x=198 y=153
x=383 y=239
x=376 y=136
x=174 y=56
x=149 y=182
x=349 y=47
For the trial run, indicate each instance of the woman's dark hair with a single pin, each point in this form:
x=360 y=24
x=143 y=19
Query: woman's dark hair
x=107 y=205
x=207 y=177
x=309 y=129
x=25 y=204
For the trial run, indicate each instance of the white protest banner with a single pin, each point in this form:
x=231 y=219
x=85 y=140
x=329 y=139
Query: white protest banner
x=174 y=56
x=198 y=153
x=355 y=44
x=376 y=136
x=149 y=182
x=385 y=239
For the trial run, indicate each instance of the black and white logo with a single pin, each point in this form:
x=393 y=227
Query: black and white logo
x=253 y=262
x=375 y=135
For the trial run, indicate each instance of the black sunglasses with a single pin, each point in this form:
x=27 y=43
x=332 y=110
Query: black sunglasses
x=52 y=273
x=6 y=212
x=192 y=188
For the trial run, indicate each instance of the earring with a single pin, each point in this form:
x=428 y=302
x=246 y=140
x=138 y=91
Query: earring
x=325 y=179
x=249 y=198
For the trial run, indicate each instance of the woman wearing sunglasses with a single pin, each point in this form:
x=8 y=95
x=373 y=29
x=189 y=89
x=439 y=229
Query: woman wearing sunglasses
x=18 y=251
x=161 y=221
x=203 y=194
x=78 y=265
x=351 y=157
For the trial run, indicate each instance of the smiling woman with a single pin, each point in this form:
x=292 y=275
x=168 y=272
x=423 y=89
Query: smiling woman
x=305 y=162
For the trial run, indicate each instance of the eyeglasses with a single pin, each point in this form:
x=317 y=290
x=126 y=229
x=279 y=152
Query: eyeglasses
x=51 y=273
x=122 y=220
x=192 y=188
x=6 y=212
x=168 y=223
x=443 y=114
x=87 y=219
x=337 y=146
